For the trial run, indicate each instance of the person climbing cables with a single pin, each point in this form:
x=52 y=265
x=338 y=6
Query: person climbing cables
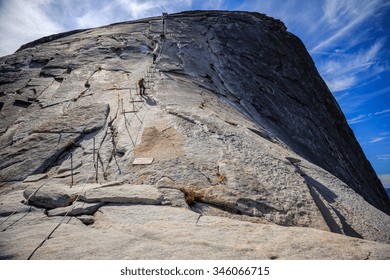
x=141 y=84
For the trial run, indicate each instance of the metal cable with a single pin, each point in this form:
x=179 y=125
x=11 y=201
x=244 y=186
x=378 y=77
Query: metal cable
x=63 y=218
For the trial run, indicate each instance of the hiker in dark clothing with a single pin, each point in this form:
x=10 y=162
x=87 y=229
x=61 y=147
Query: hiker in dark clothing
x=141 y=84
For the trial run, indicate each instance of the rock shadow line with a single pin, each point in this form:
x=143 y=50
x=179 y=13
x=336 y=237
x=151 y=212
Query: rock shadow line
x=319 y=192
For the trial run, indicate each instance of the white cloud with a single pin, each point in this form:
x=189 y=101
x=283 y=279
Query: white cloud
x=358 y=119
x=340 y=84
x=138 y=9
x=377 y=139
x=369 y=116
x=96 y=17
x=342 y=96
x=341 y=18
x=343 y=71
x=141 y=9
x=384 y=157
x=22 y=21
x=382 y=112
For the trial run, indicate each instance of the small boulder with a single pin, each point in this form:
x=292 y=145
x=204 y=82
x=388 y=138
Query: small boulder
x=87 y=219
x=48 y=199
x=78 y=208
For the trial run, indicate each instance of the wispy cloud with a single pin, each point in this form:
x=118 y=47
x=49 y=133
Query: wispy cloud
x=23 y=21
x=352 y=102
x=377 y=139
x=138 y=9
x=343 y=63
x=343 y=71
x=337 y=84
x=345 y=33
x=146 y=8
x=384 y=157
x=358 y=119
x=382 y=112
x=367 y=117
x=341 y=18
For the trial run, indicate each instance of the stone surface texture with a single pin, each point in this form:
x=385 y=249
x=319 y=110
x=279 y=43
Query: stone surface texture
x=252 y=156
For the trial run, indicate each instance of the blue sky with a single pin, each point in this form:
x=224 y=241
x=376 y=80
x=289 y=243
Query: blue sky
x=348 y=40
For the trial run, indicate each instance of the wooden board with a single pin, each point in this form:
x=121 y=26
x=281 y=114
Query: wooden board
x=143 y=161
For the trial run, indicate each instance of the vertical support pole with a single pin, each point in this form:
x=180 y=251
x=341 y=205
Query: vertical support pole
x=119 y=100
x=94 y=166
x=163 y=24
x=147 y=78
x=71 y=168
x=131 y=98
x=97 y=168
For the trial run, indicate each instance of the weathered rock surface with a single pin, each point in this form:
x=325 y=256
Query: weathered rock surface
x=143 y=194
x=37 y=141
x=163 y=232
x=248 y=147
x=76 y=209
x=14 y=203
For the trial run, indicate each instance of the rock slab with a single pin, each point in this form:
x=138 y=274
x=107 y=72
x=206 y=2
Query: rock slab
x=248 y=147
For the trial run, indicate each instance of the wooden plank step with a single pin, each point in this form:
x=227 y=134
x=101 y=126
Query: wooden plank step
x=143 y=161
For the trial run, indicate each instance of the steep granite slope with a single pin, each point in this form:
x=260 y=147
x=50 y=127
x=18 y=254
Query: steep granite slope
x=237 y=136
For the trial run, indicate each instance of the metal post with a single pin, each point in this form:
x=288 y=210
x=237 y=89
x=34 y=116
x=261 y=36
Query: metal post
x=94 y=152
x=119 y=101
x=163 y=23
x=71 y=168
x=97 y=167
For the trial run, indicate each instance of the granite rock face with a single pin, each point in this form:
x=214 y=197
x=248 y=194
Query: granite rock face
x=237 y=132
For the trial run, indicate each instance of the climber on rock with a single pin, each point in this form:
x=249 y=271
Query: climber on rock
x=141 y=84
